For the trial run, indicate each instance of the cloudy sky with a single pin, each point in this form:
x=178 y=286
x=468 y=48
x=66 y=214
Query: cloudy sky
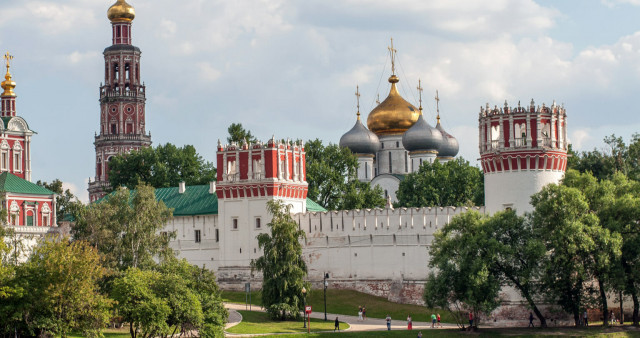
x=289 y=68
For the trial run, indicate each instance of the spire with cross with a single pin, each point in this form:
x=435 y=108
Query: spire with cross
x=8 y=57
x=420 y=95
x=437 y=106
x=358 y=100
x=378 y=99
x=393 y=52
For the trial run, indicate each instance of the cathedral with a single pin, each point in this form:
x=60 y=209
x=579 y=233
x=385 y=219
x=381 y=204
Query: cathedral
x=397 y=141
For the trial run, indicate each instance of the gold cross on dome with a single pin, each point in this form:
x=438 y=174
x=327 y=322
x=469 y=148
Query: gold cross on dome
x=420 y=93
x=393 y=52
x=438 y=105
x=8 y=57
x=358 y=99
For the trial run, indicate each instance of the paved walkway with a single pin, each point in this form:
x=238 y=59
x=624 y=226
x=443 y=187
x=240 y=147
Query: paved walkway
x=371 y=324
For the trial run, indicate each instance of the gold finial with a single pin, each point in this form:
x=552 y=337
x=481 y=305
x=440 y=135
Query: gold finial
x=438 y=106
x=8 y=84
x=358 y=99
x=378 y=99
x=420 y=95
x=393 y=52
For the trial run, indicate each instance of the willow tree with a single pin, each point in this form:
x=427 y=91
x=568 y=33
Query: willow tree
x=282 y=266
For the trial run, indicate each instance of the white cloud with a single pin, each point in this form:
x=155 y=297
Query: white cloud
x=579 y=137
x=78 y=57
x=207 y=72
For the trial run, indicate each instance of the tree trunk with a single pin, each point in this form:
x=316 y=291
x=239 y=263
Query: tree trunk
x=133 y=334
x=603 y=299
x=543 y=321
x=576 y=317
x=621 y=309
x=636 y=307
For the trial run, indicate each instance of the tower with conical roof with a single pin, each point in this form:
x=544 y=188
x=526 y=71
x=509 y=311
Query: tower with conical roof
x=122 y=99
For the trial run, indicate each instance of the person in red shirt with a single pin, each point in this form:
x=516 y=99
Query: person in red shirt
x=470 y=319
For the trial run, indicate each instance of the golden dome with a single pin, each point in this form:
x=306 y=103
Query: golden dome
x=8 y=84
x=394 y=115
x=121 y=11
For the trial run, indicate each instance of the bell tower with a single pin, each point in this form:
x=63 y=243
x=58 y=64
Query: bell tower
x=122 y=99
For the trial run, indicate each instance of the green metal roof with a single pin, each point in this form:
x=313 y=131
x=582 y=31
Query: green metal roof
x=12 y=183
x=196 y=200
x=313 y=206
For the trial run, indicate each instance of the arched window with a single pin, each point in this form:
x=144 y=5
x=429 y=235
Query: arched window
x=17 y=157
x=4 y=155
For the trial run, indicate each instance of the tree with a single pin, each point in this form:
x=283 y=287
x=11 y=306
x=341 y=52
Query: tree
x=282 y=266
x=202 y=282
x=333 y=181
x=463 y=279
x=126 y=226
x=579 y=249
x=139 y=304
x=454 y=183
x=160 y=167
x=66 y=202
x=61 y=279
x=238 y=134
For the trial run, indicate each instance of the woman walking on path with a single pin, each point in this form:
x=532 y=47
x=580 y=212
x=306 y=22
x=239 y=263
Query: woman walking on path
x=433 y=320
x=360 y=313
x=439 y=323
x=409 y=323
x=364 y=313
x=388 y=323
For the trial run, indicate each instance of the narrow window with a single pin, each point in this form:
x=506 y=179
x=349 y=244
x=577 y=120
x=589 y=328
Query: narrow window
x=217 y=236
x=397 y=144
x=127 y=71
x=235 y=224
x=114 y=128
x=382 y=145
x=366 y=170
x=258 y=225
x=390 y=167
x=406 y=162
x=45 y=220
x=197 y=233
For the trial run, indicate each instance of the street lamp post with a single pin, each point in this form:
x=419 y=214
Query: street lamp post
x=304 y=306
x=326 y=275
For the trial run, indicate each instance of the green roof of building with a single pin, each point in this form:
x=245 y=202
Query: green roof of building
x=196 y=200
x=313 y=206
x=12 y=183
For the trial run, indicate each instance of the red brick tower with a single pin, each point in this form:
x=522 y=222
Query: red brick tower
x=122 y=99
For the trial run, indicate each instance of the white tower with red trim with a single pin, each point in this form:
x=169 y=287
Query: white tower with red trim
x=250 y=175
x=522 y=149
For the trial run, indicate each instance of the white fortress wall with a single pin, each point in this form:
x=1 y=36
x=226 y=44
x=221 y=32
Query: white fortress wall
x=206 y=252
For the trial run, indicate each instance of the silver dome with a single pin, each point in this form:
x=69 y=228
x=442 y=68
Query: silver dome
x=360 y=140
x=449 y=147
x=422 y=136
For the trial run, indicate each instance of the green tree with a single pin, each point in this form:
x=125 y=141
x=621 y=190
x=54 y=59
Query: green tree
x=454 y=183
x=579 y=249
x=238 y=134
x=139 y=304
x=126 y=226
x=61 y=279
x=161 y=167
x=463 y=276
x=202 y=282
x=333 y=181
x=282 y=266
x=66 y=202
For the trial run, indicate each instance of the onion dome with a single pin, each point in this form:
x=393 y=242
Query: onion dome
x=449 y=146
x=359 y=139
x=422 y=137
x=121 y=11
x=8 y=84
x=394 y=115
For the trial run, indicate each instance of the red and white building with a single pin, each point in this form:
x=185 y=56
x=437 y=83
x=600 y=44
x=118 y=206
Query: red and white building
x=522 y=149
x=30 y=207
x=122 y=99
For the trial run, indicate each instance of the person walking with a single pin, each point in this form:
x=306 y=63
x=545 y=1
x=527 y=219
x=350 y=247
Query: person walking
x=439 y=323
x=364 y=313
x=409 y=323
x=531 y=320
x=470 y=319
x=586 y=318
x=613 y=318
x=433 y=320
x=359 y=312
x=388 y=323
x=337 y=325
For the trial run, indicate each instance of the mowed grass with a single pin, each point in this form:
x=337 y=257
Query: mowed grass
x=108 y=333
x=346 y=302
x=254 y=322
x=489 y=332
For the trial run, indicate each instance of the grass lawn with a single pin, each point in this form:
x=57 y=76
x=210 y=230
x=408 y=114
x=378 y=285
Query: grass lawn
x=346 y=302
x=108 y=333
x=509 y=332
x=258 y=322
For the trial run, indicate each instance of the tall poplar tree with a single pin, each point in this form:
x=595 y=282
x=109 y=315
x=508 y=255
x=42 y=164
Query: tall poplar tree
x=282 y=266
